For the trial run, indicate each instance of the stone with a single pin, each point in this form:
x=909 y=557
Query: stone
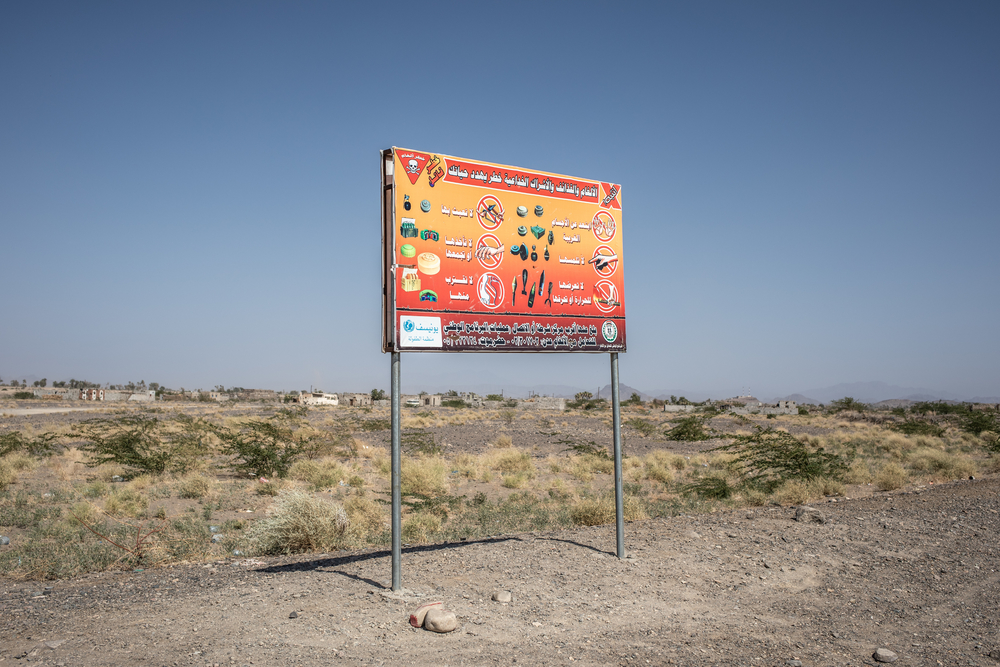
x=55 y=643
x=884 y=655
x=117 y=478
x=809 y=514
x=214 y=529
x=417 y=617
x=294 y=614
x=503 y=596
x=4 y=540
x=218 y=537
x=793 y=663
x=439 y=620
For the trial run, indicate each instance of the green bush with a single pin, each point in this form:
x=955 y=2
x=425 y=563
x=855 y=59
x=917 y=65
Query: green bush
x=977 y=421
x=642 y=426
x=139 y=443
x=23 y=395
x=454 y=403
x=847 y=403
x=689 y=429
x=261 y=448
x=766 y=458
x=42 y=445
x=918 y=427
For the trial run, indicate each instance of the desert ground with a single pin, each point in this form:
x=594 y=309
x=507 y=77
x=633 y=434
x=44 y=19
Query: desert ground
x=901 y=555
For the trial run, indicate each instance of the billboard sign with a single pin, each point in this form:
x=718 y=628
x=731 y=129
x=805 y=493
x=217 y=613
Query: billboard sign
x=491 y=258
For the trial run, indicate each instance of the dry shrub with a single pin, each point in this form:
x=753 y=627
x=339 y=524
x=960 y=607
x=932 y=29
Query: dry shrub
x=424 y=475
x=942 y=465
x=517 y=480
x=558 y=490
x=7 y=474
x=859 y=472
x=64 y=465
x=86 y=512
x=321 y=474
x=993 y=465
x=297 y=522
x=556 y=464
x=502 y=441
x=890 y=476
x=660 y=466
x=469 y=466
x=584 y=466
x=20 y=462
x=382 y=465
x=418 y=528
x=142 y=482
x=126 y=501
x=366 y=519
x=753 y=497
x=194 y=486
x=600 y=511
x=268 y=488
x=797 y=492
x=108 y=471
x=513 y=460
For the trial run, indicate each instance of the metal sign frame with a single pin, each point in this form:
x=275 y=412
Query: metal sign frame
x=586 y=324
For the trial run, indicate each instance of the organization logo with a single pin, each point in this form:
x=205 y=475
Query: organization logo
x=413 y=163
x=610 y=331
x=408 y=326
x=610 y=196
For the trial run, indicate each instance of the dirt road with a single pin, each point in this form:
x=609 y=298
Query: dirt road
x=915 y=573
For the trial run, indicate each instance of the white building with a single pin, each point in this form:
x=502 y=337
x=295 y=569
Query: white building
x=318 y=398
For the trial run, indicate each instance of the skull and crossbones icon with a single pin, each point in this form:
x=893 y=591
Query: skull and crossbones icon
x=413 y=167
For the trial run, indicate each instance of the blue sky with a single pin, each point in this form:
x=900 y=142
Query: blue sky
x=188 y=191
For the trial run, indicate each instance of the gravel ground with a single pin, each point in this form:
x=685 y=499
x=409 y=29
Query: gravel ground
x=914 y=572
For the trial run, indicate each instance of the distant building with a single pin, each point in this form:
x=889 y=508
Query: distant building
x=358 y=400
x=758 y=408
x=317 y=398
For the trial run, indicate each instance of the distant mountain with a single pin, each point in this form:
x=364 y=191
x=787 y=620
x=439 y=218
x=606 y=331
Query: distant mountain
x=873 y=392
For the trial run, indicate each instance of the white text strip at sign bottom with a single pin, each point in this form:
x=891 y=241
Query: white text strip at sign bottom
x=419 y=331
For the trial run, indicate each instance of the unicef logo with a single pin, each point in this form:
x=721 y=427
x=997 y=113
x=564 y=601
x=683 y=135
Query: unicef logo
x=609 y=330
x=408 y=326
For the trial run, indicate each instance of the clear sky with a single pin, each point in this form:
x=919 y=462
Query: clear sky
x=189 y=191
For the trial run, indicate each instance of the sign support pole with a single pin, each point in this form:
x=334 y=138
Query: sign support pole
x=616 y=412
x=396 y=498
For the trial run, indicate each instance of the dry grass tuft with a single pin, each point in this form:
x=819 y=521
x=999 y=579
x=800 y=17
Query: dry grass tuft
x=321 y=474
x=194 y=486
x=890 y=476
x=367 y=520
x=126 y=501
x=601 y=511
x=941 y=465
x=424 y=475
x=418 y=528
x=502 y=441
x=297 y=522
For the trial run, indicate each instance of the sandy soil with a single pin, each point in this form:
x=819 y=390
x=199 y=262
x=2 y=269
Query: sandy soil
x=913 y=572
